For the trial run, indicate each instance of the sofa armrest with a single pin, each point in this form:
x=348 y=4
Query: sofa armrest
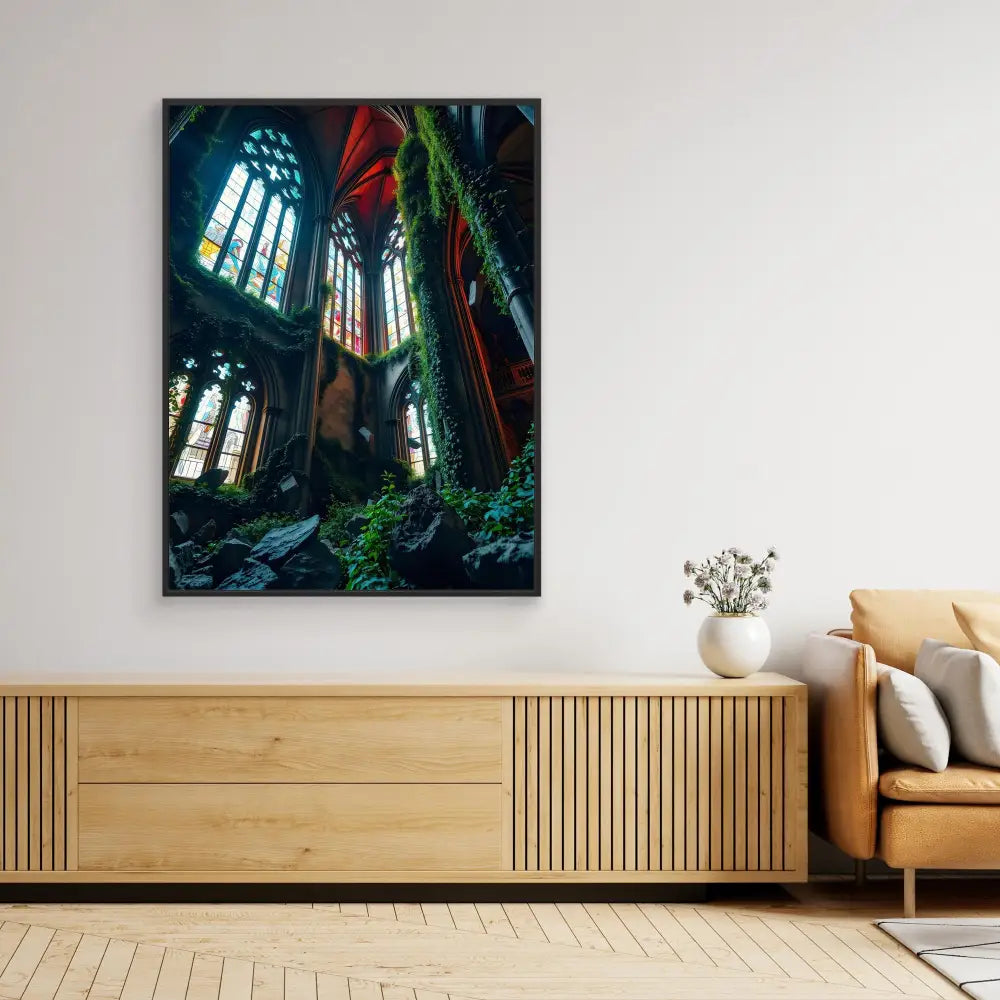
x=843 y=751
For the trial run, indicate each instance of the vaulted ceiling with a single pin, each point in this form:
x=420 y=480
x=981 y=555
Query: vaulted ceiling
x=356 y=147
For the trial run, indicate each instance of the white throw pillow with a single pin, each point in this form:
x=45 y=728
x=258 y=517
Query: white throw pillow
x=911 y=723
x=967 y=683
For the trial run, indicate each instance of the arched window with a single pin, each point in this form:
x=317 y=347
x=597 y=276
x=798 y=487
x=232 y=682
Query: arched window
x=199 y=440
x=177 y=394
x=257 y=209
x=395 y=291
x=420 y=451
x=344 y=313
x=227 y=402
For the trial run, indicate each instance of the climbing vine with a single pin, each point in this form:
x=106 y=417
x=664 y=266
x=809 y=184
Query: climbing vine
x=479 y=192
x=425 y=270
x=188 y=153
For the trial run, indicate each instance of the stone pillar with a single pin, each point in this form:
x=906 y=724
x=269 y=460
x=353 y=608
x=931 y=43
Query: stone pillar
x=512 y=263
x=268 y=420
x=394 y=439
x=517 y=278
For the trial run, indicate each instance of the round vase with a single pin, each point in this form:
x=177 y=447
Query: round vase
x=734 y=645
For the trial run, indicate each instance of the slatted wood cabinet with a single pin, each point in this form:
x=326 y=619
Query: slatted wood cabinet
x=576 y=778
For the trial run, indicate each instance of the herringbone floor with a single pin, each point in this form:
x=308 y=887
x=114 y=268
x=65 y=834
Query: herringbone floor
x=486 y=951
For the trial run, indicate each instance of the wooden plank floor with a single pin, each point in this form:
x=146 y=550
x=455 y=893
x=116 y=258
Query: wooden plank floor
x=819 y=944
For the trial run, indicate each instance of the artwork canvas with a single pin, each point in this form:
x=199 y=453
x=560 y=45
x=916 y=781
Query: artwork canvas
x=351 y=347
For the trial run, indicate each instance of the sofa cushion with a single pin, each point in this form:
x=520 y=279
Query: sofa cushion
x=895 y=622
x=968 y=784
x=912 y=725
x=981 y=624
x=967 y=683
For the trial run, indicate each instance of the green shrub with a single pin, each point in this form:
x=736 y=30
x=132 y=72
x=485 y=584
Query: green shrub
x=366 y=559
x=333 y=528
x=253 y=531
x=507 y=511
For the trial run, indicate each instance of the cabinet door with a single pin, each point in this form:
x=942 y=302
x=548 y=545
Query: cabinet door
x=690 y=785
x=298 y=827
x=264 y=739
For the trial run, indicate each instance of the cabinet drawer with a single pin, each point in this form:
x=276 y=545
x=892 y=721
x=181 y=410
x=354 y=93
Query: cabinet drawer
x=298 y=827
x=147 y=740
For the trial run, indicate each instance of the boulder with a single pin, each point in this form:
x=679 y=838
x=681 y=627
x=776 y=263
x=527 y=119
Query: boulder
x=230 y=557
x=195 y=581
x=212 y=478
x=316 y=567
x=280 y=544
x=503 y=563
x=427 y=547
x=253 y=576
x=205 y=533
x=185 y=555
x=174 y=572
x=179 y=527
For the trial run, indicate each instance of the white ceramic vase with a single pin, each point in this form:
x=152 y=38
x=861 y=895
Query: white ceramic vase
x=734 y=645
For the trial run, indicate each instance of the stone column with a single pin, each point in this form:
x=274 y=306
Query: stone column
x=268 y=419
x=512 y=263
x=516 y=276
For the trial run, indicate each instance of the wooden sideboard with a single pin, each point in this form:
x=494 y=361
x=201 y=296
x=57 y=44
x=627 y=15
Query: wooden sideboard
x=534 y=779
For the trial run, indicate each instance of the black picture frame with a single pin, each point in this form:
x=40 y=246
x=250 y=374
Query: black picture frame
x=168 y=104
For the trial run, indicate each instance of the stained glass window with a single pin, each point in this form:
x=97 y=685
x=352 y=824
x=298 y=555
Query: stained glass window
x=420 y=450
x=199 y=439
x=414 y=446
x=343 y=313
x=221 y=424
x=395 y=290
x=236 y=436
x=267 y=173
x=177 y=393
x=428 y=434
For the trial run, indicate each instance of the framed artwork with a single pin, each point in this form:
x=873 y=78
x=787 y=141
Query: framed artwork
x=351 y=347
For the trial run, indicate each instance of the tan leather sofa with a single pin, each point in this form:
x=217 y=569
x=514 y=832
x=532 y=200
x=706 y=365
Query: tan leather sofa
x=861 y=800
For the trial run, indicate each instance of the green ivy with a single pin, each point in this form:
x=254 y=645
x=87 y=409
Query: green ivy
x=479 y=192
x=366 y=559
x=509 y=509
x=187 y=197
x=247 y=313
x=229 y=505
x=253 y=531
x=406 y=349
x=333 y=528
x=425 y=271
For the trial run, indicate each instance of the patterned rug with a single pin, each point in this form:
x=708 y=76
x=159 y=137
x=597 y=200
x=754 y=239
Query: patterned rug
x=965 y=950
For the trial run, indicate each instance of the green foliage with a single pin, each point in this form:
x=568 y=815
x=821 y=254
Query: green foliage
x=188 y=153
x=333 y=528
x=230 y=502
x=426 y=273
x=507 y=511
x=366 y=559
x=190 y=284
x=226 y=505
x=479 y=192
x=345 y=478
x=238 y=493
x=406 y=349
x=253 y=531
x=264 y=483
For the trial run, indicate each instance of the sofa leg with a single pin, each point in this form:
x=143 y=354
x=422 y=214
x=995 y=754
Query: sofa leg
x=909 y=892
x=860 y=872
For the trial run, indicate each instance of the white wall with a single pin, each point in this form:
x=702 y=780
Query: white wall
x=798 y=202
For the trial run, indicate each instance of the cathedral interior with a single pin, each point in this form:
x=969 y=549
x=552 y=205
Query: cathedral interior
x=350 y=347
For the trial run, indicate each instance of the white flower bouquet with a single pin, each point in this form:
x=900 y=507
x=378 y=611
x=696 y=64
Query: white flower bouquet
x=732 y=583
